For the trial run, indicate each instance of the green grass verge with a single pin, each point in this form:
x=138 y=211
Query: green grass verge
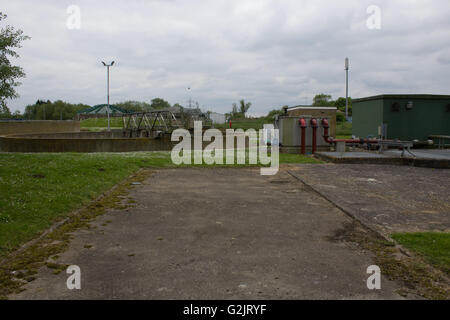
x=101 y=122
x=37 y=189
x=344 y=130
x=256 y=123
x=433 y=246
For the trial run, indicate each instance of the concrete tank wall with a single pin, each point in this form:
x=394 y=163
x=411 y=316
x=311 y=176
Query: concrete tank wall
x=38 y=126
x=88 y=142
x=24 y=144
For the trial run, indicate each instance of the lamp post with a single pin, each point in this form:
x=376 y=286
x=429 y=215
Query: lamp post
x=190 y=100
x=107 y=88
x=346 y=87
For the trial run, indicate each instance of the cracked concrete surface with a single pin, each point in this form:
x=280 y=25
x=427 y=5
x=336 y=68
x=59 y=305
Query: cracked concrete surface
x=387 y=198
x=215 y=233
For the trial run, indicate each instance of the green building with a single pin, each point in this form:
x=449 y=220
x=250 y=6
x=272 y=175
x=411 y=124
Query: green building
x=404 y=117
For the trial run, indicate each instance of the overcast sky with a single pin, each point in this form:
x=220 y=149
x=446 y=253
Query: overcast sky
x=271 y=53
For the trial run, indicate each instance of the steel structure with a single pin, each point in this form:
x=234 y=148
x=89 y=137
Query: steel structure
x=149 y=124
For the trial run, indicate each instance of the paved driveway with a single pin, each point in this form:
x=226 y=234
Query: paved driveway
x=215 y=234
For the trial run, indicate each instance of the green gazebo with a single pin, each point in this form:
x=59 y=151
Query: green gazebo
x=101 y=111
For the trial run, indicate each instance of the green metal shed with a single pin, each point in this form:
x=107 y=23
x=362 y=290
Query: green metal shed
x=404 y=116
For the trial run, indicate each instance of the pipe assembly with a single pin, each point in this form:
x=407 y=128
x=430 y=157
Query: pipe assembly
x=302 y=123
x=314 y=135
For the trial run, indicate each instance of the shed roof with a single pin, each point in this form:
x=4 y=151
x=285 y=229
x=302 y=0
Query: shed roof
x=311 y=107
x=404 y=96
x=102 y=109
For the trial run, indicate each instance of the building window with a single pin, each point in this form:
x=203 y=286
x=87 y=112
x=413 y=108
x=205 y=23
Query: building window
x=395 y=107
x=409 y=105
x=448 y=107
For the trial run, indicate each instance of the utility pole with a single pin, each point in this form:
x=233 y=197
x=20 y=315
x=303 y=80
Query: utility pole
x=190 y=100
x=346 y=87
x=107 y=89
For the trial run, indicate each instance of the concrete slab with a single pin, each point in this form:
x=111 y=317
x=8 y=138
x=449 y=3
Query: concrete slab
x=432 y=158
x=357 y=154
x=387 y=198
x=425 y=153
x=216 y=234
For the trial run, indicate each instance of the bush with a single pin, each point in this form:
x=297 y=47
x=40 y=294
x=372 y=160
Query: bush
x=340 y=117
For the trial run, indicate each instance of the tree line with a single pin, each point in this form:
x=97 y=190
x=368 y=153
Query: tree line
x=60 y=110
x=322 y=100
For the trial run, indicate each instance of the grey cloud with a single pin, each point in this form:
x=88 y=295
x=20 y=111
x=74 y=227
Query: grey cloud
x=270 y=52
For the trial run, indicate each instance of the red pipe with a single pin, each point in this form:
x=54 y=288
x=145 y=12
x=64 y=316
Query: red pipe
x=360 y=141
x=326 y=126
x=302 y=123
x=314 y=135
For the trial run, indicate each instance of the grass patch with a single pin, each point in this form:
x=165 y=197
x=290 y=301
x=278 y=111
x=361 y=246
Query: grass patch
x=433 y=246
x=22 y=266
x=414 y=274
x=344 y=130
x=114 y=122
x=248 y=123
x=38 y=189
x=99 y=124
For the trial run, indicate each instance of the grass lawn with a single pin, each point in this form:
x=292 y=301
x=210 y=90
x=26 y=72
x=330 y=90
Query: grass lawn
x=434 y=246
x=100 y=124
x=37 y=189
x=114 y=122
x=248 y=123
x=344 y=130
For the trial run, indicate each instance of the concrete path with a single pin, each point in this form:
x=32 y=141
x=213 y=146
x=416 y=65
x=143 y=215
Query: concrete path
x=215 y=234
x=386 y=198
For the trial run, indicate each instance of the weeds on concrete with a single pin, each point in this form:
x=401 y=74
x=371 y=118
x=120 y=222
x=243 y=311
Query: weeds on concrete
x=410 y=270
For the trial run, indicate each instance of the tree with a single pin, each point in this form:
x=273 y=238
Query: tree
x=234 y=110
x=275 y=112
x=134 y=106
x=159 y=103
x=58 y=110
x=322 y=100
x=10 y=39
x=243 y=107
x=340 y=105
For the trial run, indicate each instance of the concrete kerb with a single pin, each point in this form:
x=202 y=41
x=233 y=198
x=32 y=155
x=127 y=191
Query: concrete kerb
x=352 y=216
x=348 y=213
x=414 y=162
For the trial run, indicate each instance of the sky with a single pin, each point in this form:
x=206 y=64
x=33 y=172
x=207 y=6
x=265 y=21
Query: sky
x=271 y=53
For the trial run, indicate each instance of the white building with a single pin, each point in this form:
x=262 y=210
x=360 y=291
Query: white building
x=217 y=118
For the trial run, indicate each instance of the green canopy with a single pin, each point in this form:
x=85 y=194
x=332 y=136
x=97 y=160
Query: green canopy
x=102 y=109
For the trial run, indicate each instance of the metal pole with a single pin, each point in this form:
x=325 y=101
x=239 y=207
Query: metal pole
x=346 y=88
x=107 y=110
x=346 y=94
